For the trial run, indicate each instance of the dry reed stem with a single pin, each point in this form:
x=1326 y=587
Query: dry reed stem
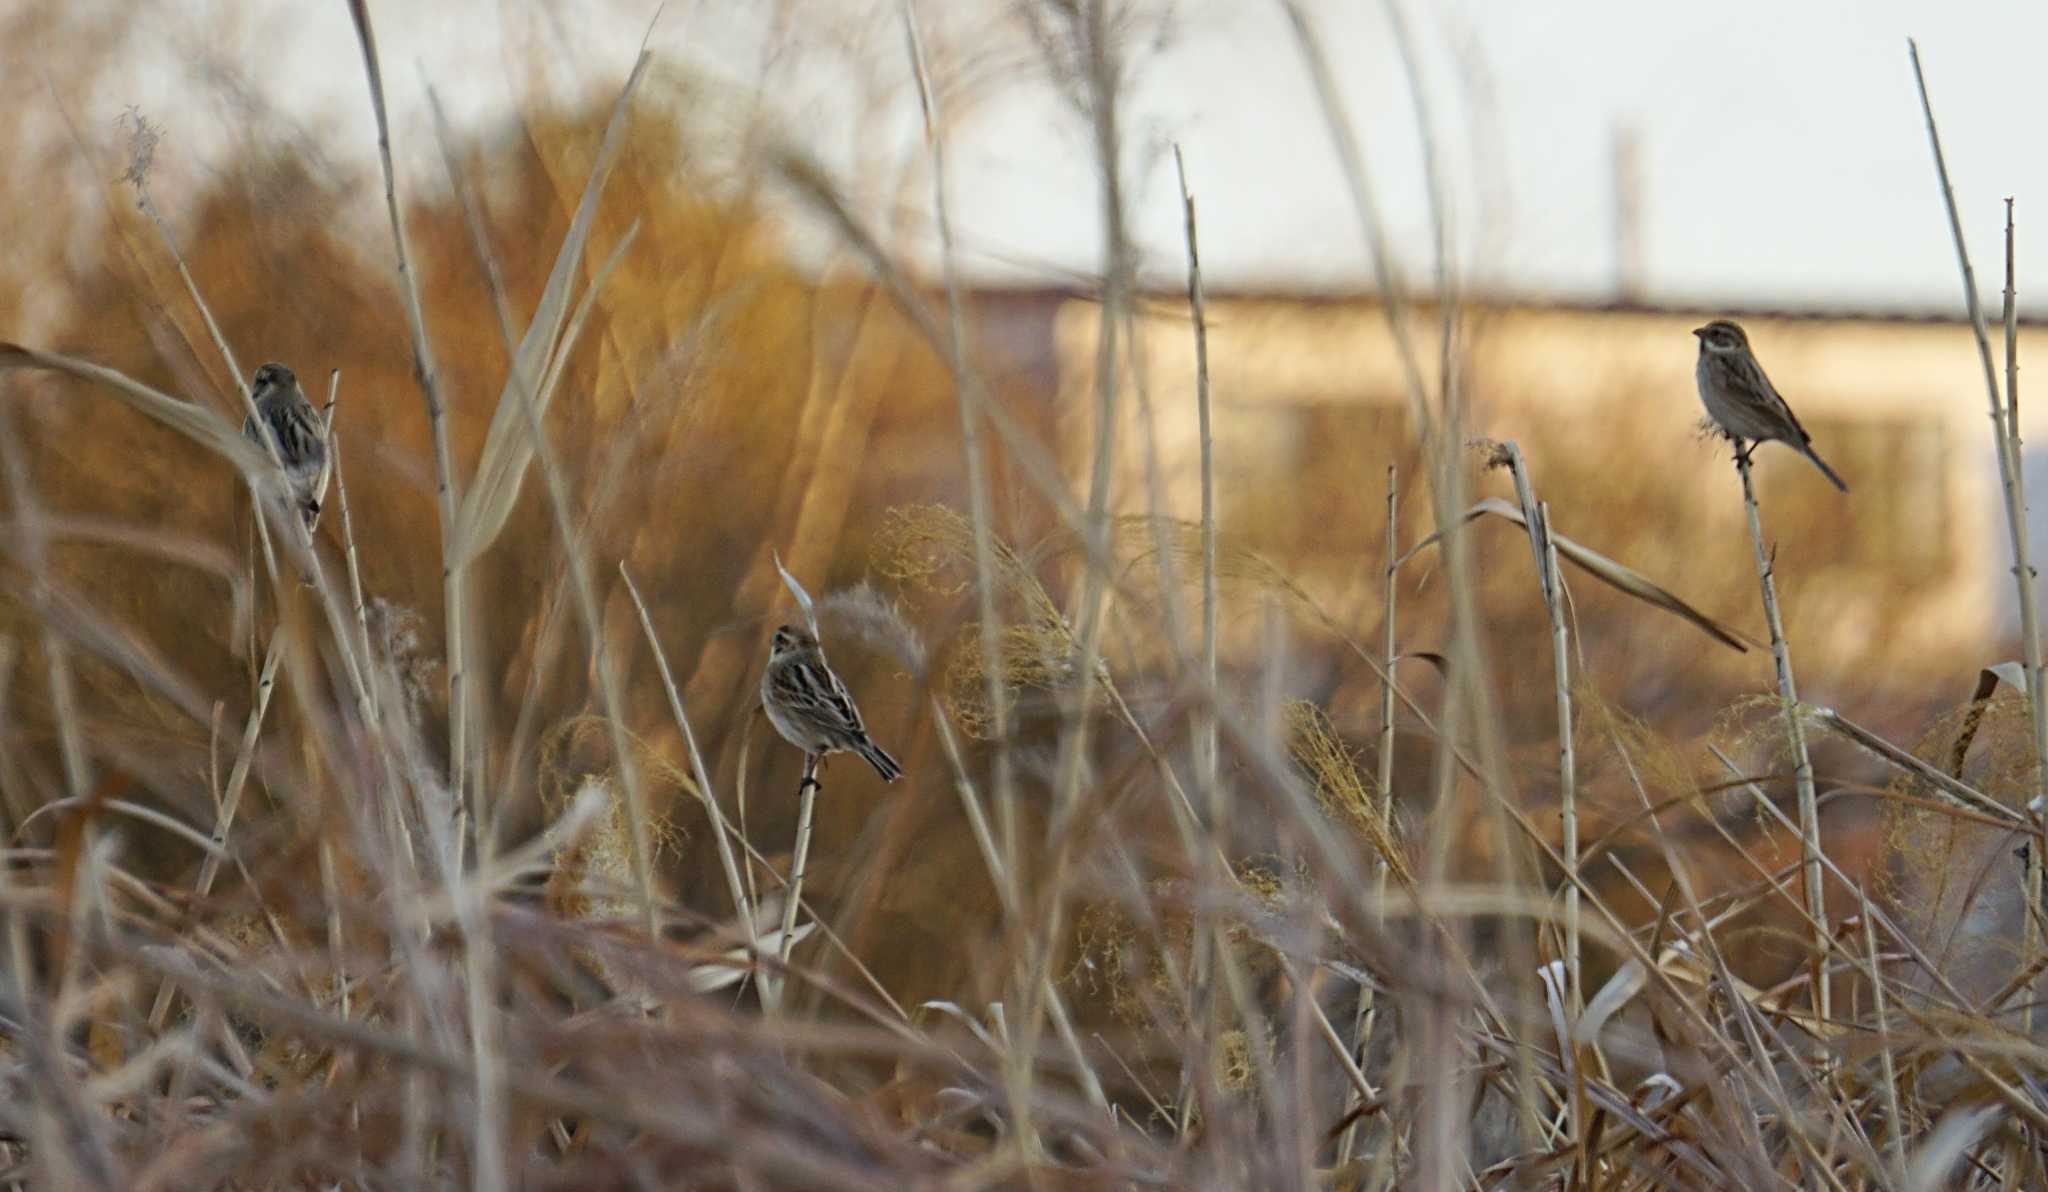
x=137 y=176
x=1897 y=934
x=1536 y=517
x=807 y=800
x=610 y=692
x=1746 y=1114
x=1795 y=736
x=231 y=799
x=454 y=586
x=2006 y=439
x=1895 y=1140
x=1440 y=436
x=1101 y=70
x=355 y=573
x=460 y=540
x=722 y=830
x=1006 y=891
x=2023 y=574
x=1567 y=762
x=1362 y=1028
x=1345 y=143
x=971 y=399
x=1207 y=778
x=1960 y=792
x=506 y=455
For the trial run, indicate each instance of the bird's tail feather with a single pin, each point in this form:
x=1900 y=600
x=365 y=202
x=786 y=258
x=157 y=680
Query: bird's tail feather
x=878 y=758
x=1820 y=463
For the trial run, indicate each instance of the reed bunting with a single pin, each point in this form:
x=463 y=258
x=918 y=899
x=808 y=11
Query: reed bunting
x=809 y=706
x=295 y=430
x=1741 y=400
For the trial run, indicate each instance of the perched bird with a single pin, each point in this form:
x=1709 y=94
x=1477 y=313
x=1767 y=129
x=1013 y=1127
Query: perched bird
x=295 y=430
x=809 y=706
x=1741 y=400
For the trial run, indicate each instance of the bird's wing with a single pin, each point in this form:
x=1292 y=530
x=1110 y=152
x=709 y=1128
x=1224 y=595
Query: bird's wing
x=1785 y=408
x=297 y=428
x=812 y=687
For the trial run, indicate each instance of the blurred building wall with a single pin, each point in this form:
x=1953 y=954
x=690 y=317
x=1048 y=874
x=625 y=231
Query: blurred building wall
x=1911 y=570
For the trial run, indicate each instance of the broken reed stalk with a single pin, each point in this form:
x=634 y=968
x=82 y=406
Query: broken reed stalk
x=1536 y=518
x=1795 y=736
x=1567 y=761
x=1206 y=755
x=2005 y=438
x=807 y=802
x=1205 y=728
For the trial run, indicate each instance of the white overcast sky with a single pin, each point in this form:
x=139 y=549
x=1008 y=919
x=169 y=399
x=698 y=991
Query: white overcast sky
x=1783 y=157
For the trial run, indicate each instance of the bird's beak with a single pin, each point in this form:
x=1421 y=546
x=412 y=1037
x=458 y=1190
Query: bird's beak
x=1699 y=331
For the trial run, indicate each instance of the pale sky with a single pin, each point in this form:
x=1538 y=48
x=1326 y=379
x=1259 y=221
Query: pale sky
x=1783 y=157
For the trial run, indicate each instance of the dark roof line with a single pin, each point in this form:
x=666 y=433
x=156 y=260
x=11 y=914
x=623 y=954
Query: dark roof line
x=1818 y=312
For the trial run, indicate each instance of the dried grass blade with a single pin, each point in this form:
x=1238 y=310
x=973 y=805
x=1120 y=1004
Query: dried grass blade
x=1622 y=578
x=508 y=447
x=194 y=421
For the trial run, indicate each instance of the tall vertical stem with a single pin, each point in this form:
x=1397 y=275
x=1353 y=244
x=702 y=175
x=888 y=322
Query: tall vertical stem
x=453 y=583
x=1206 y=774
x=1567 y=755
x=2023 y=575
x=1795 y=735
x=1384 y=783
x=2005 y=435
x=807 y=804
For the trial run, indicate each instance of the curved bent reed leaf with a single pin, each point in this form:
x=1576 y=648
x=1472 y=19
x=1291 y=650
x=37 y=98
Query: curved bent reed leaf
x=1950 y=1140
x=803 y=598
x=1622 y=578
x=194 y=421
x=2013 y=675
x=509 y=446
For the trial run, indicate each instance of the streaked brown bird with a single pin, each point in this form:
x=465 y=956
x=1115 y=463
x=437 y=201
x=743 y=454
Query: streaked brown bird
x=810 y=707
x=297 y=432
x=1741 y=399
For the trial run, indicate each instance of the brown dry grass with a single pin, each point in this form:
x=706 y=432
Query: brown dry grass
x=388 y=986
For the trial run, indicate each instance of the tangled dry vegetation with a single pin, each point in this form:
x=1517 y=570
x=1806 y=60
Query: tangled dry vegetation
x=307 y=888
